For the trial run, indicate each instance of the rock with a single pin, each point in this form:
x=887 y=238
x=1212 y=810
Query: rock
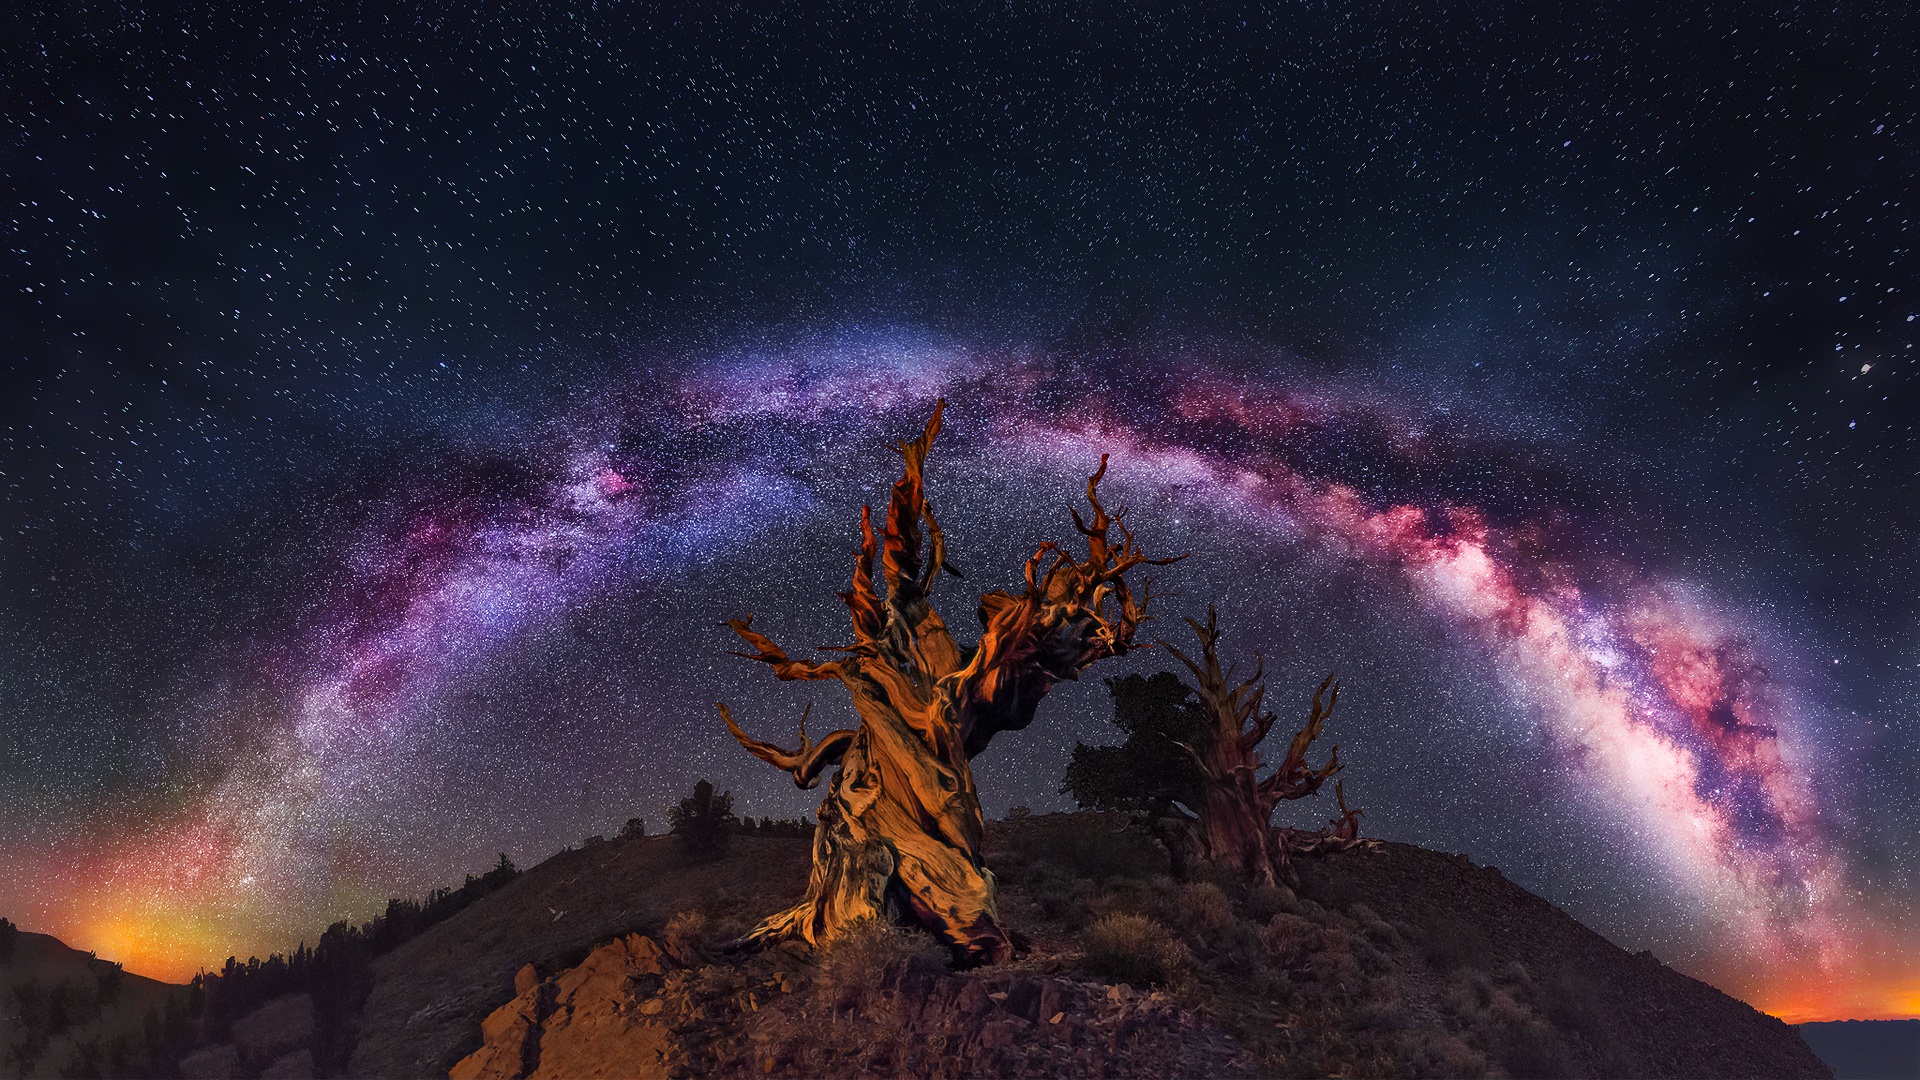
x=999 y=1033
x=218 y=1062
x=274 y=1030
x=593 y=1020
x=1023 y=999
x=525 y=979
x=510 y=1039
x=973 y=1000
x=295 y=1066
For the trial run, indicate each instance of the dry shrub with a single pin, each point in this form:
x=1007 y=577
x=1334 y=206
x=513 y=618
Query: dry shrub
x=1289 y=938
x=1266 y=901
x=1201 y=911
x=1134 y=948
x=1386 y=1014
x=1333 y=962
x=687 y=936
x=1515 y=1037
x=871 y=953
x=1469 y=996
x=1432 y=1052
x=1130 y=897
x=1239 y=950
x=1372 y=925
x=1059 y=897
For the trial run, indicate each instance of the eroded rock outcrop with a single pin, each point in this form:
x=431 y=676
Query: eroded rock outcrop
x=632 y=1010
x=601 y=1018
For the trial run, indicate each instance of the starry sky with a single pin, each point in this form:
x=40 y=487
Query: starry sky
x=396 y=402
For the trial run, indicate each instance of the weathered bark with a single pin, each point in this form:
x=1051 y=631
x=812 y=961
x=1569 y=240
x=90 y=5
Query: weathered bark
x=900 y=829
x=1236 y=817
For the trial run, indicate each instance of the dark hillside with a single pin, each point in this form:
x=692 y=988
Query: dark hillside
x=1389 y=960
x=66 y=1012
x=1618 y=1013
x=429 y=995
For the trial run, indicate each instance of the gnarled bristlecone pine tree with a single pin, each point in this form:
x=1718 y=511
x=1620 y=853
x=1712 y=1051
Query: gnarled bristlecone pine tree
x=900 y=831
x=1236 y=820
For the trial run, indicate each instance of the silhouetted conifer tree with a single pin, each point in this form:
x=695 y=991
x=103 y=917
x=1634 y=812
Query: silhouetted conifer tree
x=703 y=822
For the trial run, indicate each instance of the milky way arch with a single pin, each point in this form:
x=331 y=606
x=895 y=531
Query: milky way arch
x=1668 y=701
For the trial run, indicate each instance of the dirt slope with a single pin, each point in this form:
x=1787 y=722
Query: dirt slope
x=430 y=994
x=1388 y=960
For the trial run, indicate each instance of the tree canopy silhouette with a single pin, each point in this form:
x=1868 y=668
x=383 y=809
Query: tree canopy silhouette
x=1149 y=771
x=703 y=823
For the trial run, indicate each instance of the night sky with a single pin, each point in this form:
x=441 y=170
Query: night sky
x=395 y=405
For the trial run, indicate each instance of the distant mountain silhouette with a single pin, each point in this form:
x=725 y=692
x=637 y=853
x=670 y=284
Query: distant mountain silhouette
x=64 y=1012
x=1867 y=1049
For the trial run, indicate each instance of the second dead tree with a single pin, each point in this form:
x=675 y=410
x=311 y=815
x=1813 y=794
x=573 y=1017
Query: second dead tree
x=1235 y=823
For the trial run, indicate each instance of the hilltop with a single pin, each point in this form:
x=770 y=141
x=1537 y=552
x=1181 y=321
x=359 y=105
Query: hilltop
x=611 y=959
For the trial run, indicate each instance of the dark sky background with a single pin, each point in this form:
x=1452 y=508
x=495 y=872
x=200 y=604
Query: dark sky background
x=396 y=401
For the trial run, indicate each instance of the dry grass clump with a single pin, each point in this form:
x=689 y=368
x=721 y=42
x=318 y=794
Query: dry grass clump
x=688 y=936
x=1497 y=1014
x=1134 y=948
x=870 y=953
x=1288 y=939
x=1202 y=910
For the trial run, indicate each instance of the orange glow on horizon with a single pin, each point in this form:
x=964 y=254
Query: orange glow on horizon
x=174 y=948
x=168 y=948
x=1886 y=987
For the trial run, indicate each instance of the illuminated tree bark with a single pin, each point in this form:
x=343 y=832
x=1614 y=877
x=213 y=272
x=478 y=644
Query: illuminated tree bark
x=900 y=830
x=1236 y=818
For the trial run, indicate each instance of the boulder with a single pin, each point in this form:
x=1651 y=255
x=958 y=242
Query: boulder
x=220 y=1061
x=295 y=1066
x=589 y=1021
x=274 y=1030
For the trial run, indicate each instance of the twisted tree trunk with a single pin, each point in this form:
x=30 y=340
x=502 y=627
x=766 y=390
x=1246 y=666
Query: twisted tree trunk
x=1236 y=818
x=900 y=829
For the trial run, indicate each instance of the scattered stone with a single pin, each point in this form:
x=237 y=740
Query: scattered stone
x=295 y=1066
x=218 y=1062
